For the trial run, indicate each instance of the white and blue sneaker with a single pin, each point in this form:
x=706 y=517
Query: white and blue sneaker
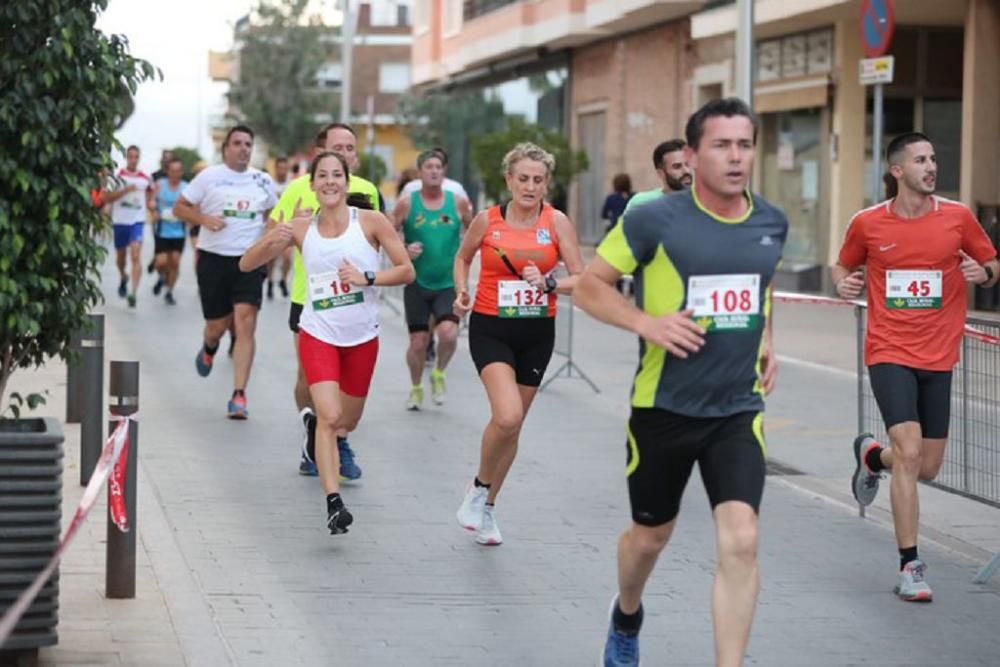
x=307 y=466
x=620 y=649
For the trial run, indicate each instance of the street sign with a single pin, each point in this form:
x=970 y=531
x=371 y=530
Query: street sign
x=876 y=70
x=878 y=22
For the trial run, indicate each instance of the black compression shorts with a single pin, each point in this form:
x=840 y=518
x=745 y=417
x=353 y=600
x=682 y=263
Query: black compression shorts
x=907 y=394
x=664 y=446
x=420 y=303
x=523 y=344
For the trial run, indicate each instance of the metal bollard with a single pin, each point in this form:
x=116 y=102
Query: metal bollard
x=90 y=382
x=123 y=399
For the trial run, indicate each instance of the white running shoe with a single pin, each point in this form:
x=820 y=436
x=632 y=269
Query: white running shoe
x=470 y=513
x=912 y=587
x=416 y=399
x=489 y=532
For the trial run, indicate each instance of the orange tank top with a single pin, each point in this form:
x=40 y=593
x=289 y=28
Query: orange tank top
x=504 y=253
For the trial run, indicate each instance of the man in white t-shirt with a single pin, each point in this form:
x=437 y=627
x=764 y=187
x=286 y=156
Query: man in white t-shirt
x=448 y=185
x=231 y=202
x=130 y=196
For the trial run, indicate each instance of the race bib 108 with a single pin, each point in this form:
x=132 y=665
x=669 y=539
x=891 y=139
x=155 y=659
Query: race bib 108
x=517 y=298
x=729 y=302
x=913 y=289
x=326 y=291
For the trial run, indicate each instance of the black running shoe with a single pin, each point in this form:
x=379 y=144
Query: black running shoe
x=158 y=287
x=270 y=289
x=232 y=343
x=283 y=286
x=338 y=518
x=151 y=267
x=123 y=288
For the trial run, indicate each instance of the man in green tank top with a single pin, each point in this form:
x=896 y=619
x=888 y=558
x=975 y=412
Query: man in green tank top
x=431 y=221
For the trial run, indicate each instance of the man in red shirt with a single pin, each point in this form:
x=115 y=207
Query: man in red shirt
x=916 y=251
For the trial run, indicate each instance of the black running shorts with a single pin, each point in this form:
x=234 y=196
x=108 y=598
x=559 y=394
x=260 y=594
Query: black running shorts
x=294 y=315
x=420 y=303
x=162 y=245
x=907 y=394
x=523 y=344
x=663 y=447
x=222 y=284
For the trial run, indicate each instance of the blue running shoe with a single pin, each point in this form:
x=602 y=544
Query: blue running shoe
x=620 y=649
x=307 y=467
x=203 y=362
x=238 y=407
x=349 y=470
x=123 y=288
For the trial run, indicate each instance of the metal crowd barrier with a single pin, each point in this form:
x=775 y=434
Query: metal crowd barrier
x=972 y=458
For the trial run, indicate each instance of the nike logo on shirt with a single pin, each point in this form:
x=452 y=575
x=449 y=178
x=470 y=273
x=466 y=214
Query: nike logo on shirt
x=883 y=248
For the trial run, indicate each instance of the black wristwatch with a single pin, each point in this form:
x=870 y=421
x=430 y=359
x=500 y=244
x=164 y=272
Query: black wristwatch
x=989 y=275
x=370 y=277
x=550 y=284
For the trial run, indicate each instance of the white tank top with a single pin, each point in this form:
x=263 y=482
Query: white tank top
x=339 y=313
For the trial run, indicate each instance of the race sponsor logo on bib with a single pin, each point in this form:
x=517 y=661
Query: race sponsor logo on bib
x=917 y=290
x=518 y=299
x=542 y=237
x=238 y=209
x=327 y=291
x=729 y=302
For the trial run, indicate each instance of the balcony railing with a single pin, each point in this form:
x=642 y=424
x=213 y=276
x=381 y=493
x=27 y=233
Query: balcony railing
x=474 y=8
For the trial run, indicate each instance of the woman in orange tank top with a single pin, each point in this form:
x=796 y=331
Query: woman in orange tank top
x=512 y=327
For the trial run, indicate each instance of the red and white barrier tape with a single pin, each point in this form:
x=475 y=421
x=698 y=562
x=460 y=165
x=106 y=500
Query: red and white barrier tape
x=793 y=297
x=111 y=462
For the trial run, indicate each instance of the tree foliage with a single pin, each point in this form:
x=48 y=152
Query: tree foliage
x=189 y=157
x=373 y=167
x=488 y=151
x=276 y=91
x=64 y=88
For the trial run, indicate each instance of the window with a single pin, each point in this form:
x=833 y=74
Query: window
x=394 y=77
x=795 y=55
x=392 y=13
x=330 y=75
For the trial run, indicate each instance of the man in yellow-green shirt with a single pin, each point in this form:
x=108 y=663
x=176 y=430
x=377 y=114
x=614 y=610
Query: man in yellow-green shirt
x=338 y=137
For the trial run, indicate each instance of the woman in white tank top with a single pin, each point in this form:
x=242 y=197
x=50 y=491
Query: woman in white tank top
x=338 y=331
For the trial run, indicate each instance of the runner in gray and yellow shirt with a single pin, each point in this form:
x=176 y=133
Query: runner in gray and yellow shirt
x=704 y=260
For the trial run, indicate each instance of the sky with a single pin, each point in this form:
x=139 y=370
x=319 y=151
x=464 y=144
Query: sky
x=176 y=37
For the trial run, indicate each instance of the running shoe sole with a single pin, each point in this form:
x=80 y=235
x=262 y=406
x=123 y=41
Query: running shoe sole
x=922 y=596
x=860 y=468
x=237 y=412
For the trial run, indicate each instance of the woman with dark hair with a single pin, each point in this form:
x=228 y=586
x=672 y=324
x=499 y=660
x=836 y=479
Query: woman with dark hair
x=338 y=330
x=615 y=203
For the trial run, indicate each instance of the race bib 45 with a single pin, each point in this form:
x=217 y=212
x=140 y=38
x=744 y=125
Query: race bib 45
x=913 y=289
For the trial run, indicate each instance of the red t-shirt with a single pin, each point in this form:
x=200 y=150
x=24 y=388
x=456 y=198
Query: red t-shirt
x=921 y=324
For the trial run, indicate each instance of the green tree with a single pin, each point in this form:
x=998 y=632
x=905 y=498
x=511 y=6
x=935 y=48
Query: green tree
x=448 y=120
x=276 y=92
x=373 y=167
x=488 y=151
x=61 y=98
x=189 y=157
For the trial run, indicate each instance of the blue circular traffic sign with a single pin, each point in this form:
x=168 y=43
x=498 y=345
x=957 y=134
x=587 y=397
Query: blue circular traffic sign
x=878 y=22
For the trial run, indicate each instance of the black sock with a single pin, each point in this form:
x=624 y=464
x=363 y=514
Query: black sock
x=239 y=392
x=333 y=502
x=906 y=555
x=211 y=350
x=628 y=624
x=873 y=459
x=341 y=438
x=480 y=485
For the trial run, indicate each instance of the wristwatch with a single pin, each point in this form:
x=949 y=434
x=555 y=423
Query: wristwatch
x=370 y=277
x=550 y=284
x=989 y=275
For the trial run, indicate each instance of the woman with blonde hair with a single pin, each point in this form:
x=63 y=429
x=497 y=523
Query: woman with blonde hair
x=512 y=327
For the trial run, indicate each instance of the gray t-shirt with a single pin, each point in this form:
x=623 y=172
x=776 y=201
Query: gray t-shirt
x=684 y=256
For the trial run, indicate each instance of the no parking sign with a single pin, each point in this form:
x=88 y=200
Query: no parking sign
x=878 y=23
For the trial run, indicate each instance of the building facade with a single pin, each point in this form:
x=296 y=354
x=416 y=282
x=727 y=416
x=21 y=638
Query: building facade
x=635 y=69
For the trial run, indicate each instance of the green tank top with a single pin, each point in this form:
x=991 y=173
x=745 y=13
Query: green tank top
x=438 y=231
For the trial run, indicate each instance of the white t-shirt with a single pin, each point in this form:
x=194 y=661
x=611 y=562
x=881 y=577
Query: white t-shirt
x=241 y=198
x=131 y=207
x=279 y=188
x=448 y=186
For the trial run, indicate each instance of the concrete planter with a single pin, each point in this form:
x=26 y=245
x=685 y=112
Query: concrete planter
x=31 y=468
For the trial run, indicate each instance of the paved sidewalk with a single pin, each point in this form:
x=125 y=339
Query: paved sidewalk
x=241 y=569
